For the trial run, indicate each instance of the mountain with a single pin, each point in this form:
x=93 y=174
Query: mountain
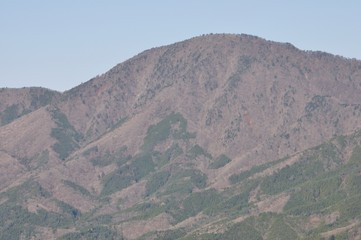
x=216 y=137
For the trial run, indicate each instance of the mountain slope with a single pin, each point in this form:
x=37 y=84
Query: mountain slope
x=15 y=103
x=225 y=85
x=213 y=137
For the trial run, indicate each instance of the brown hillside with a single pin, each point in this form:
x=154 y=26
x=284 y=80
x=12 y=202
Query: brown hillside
x=15 y=103
x=243 y=95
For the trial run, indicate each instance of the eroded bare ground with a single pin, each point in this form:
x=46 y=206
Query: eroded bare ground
x=273 y=203
x=133 y=230
x=51 y=234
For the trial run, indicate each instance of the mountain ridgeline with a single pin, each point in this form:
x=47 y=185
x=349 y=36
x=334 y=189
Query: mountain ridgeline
x=217 y=137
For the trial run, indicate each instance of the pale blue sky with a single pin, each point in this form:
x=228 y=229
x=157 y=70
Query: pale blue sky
x=59 y=44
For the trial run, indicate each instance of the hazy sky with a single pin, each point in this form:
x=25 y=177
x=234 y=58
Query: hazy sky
x=59 y=44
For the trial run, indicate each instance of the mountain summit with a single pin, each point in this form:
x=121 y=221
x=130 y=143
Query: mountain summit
x=215 y=137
